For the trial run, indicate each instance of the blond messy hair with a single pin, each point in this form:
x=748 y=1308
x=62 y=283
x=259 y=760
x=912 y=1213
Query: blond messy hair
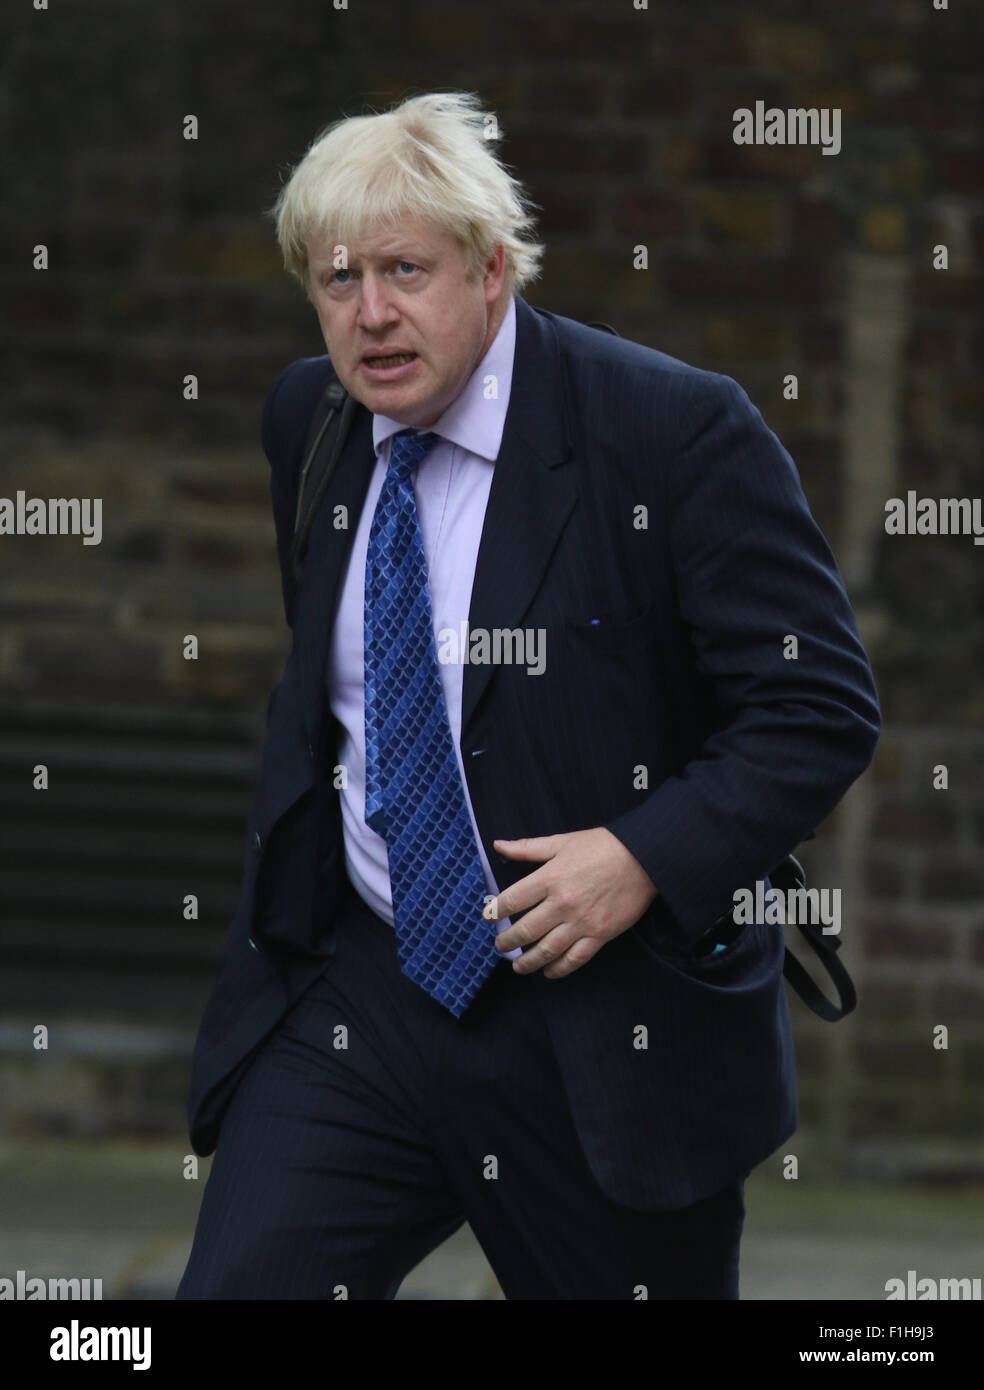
x=430 y=157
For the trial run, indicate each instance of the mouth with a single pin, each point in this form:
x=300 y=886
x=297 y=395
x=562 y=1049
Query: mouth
x=385 y=367
x=389 y=359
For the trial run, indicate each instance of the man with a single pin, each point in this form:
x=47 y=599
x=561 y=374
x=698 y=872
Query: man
x=587 y=1071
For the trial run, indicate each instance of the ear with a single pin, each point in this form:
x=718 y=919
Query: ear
x=494 y=273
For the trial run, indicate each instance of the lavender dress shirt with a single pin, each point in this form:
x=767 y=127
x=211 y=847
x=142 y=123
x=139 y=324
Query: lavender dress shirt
x=451 y=486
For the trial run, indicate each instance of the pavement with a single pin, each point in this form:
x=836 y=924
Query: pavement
x=124 y=1211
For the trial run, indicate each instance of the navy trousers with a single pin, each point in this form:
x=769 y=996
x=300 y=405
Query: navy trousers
x=371 y=1124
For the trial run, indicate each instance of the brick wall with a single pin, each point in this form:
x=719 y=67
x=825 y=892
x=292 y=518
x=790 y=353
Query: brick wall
x=760 y=259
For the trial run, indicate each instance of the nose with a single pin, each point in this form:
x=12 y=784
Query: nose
x=376 y=309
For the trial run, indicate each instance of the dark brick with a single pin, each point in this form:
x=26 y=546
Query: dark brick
x=971 y=1055
x=901 y=1058
x=821 y=341
x=755 y=337
x=225 y=491
x=964 y=398
x=254 y=594
x=45 y=301
x=229 y=676
x=723 y=43
x=682 y=158
x=557 y=149
x=886 y=765
x=814 y=1107
x=883 y=1113
x=953 y=878
x=612 y=36
x=86 y=247
x=215 y=551
x=93 y=663
x=932 y=819
x=885 y=1000
x=932 y=109
x=882 y=877
x=643 y=214
x=918 y=1109
x=942 y=1112
x=755 y=218
x=222 y=253
x=561 y=94
x=723 y=159
x=820 y=222
x=867 y=46
x=957 y=1003
x=892 y=940
x=954 y=50
x=812 y=1049
x=564 y=213
x=785 y=281
x=142 y=545
x=666 y=92
x=931 y=346
x=943 y=289
x=785 y=46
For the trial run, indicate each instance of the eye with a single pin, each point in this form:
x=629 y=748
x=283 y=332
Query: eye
x=335 y=277
x=409 y=265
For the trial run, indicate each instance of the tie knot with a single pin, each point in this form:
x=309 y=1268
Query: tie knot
x=408 y=448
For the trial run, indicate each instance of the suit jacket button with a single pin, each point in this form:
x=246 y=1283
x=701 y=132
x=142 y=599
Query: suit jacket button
x=310 y=750
x=257 y=842
x=253 y=944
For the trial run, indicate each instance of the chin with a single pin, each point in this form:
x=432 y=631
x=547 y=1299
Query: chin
x=407 y=410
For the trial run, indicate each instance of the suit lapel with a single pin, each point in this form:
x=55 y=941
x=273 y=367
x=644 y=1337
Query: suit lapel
x=531 y=497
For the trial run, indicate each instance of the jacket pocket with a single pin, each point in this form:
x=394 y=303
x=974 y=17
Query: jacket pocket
x=615 y=631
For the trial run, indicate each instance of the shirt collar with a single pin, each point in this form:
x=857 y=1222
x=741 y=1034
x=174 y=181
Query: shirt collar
x=473 y=420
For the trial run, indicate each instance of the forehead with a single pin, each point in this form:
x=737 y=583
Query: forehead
x=405 y=237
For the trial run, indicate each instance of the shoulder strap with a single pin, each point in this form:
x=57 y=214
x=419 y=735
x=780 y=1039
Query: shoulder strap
x=326 y=434
x=791 y=874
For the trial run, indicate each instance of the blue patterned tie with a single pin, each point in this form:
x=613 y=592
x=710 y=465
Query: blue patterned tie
x=414 y=796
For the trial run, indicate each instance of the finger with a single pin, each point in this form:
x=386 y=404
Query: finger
x=541 y=847
x=530 y=928
x=528 y=892
x=549 y=949
x=579 y=954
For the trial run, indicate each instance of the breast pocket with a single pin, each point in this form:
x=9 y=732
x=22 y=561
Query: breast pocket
x=624 y=630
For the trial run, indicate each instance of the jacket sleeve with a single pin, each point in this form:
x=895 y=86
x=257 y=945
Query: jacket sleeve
x=752 y=568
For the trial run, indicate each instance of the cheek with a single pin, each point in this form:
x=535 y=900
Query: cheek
x=458 y=345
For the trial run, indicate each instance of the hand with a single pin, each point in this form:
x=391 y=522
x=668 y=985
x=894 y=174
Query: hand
x=589 y=890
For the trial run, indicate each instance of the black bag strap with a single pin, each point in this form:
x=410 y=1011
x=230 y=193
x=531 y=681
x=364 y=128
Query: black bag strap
x=326 y=434
x=790 y=873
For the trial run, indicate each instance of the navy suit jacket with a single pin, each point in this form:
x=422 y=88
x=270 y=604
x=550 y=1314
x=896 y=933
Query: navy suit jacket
x=636 y=489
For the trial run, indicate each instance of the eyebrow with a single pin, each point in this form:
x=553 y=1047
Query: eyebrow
x=404 y=251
